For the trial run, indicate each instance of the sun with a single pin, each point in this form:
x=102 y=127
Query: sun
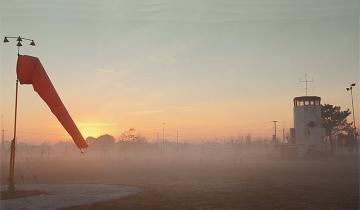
x=89 y=130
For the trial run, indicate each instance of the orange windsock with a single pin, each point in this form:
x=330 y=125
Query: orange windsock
x=30 y=71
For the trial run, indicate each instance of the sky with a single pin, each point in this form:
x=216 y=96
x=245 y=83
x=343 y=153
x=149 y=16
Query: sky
x=207 y=69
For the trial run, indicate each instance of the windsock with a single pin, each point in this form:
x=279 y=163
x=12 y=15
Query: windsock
x=30 y=71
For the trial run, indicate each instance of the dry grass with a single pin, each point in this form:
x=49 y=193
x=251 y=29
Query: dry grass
x=251 y=185
x=207 y=182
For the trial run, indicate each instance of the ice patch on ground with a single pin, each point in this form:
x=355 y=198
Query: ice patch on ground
x=62 y=195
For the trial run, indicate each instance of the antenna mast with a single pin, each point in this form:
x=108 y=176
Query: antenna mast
x=306 y=81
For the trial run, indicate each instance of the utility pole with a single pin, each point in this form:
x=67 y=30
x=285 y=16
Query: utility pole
x=13 y=141
x=274 y=137
x=306 y=81
x=283 y=132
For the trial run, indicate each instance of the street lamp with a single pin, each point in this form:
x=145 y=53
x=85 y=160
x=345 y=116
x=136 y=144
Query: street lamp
x=352 y=103
x=12 y=146
x=19 y=39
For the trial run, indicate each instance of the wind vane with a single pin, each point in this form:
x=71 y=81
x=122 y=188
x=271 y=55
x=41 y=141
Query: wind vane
x=306 y=81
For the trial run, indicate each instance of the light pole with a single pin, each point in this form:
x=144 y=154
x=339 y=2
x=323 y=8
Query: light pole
x=274 y=131
x=13 y=141
x=352 y=103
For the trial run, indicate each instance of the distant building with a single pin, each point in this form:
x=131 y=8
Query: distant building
x=307 y=130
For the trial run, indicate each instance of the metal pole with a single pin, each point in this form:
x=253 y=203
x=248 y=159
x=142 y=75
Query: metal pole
x=306 y=83
x=13 y=141
x=12 y=147
x=283 y=134
x=275 y=131
x=352 y=104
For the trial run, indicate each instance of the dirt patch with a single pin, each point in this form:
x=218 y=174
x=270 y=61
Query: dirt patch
x=62 y=195
x=6 y=195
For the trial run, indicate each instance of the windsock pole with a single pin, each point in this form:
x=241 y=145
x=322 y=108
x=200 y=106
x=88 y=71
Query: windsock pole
x=12 y=146
x=13 y=141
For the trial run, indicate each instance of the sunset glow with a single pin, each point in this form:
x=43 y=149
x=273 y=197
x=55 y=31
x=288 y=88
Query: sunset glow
x=141 y=73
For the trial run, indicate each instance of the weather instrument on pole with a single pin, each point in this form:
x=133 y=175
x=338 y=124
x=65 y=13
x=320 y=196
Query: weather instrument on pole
x=30 y=71
x=13 y=141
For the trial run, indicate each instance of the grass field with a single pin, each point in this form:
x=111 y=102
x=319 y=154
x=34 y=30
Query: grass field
x=207 y=182
x=247 y=185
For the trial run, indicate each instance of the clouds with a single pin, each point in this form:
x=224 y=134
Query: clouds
x=204 y=11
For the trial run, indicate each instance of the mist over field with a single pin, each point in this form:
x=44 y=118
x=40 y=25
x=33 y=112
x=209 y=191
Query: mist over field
x=235 y=174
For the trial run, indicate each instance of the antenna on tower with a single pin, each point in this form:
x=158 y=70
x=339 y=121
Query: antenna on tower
x=306 y=81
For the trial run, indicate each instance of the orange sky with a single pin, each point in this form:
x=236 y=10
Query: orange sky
x=194 y=123
x=227 y=72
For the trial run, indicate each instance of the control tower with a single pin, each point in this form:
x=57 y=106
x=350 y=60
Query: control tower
x=307 y=123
